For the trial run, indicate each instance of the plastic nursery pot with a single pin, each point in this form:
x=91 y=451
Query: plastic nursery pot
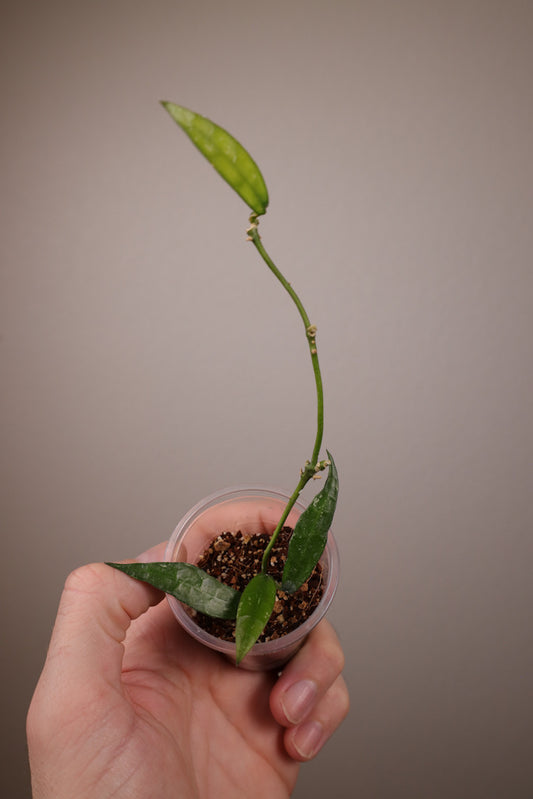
x=251 y=510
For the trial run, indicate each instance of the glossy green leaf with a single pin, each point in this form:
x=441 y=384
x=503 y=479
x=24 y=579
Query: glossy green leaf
x=226 y=154
x=187 y=583
x=311 y=533
x=255 y=609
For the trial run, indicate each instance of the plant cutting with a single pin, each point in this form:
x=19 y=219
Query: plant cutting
x=290 y=554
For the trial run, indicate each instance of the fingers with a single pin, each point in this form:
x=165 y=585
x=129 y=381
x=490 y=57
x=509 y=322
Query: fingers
x=310 y=698
x=96 y=608
x=306 y=739
x=154 y=554
x=308 y=676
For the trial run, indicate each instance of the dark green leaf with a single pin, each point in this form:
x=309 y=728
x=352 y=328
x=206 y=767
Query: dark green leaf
x=226 y=154
x=311 y=533
x=187 y=583
x=255 y=609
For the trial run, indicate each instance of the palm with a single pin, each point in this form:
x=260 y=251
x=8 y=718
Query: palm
x=194 y=725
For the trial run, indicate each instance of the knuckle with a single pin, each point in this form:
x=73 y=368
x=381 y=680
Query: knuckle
x=336 y=658
x=84 y=578
x=344 y=700
x=338 y=702
x=33 y=723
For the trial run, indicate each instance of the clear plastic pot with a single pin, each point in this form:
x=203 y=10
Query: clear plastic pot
x=253 y=510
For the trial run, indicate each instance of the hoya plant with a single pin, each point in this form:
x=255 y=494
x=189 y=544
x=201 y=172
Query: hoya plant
x=252 y=607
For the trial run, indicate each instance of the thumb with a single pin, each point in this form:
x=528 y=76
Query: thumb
x=96 y=608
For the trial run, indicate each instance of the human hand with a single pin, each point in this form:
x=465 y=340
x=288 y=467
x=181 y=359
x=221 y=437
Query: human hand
x=128 y=705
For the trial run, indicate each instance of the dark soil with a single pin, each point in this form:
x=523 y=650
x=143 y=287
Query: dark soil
x=234 y=558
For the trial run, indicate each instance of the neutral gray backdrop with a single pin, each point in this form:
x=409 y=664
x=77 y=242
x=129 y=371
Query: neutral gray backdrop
x=148 y=357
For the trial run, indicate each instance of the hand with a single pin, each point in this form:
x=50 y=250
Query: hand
x=128 y=705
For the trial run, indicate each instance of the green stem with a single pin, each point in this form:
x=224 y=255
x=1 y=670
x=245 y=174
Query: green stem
x=310 y=469
x=288 y=507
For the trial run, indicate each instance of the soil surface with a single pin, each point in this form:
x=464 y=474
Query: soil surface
x=234 y=558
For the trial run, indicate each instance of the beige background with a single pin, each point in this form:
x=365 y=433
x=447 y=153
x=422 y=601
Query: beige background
x=148 y=358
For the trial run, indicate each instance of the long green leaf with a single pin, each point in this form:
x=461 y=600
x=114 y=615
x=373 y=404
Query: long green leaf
x=255 y=609
x=225 y=153
x=187 y=583
x=311 y=533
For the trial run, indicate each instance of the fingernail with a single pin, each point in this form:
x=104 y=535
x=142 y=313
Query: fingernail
x=298 y=700
x=308 y=739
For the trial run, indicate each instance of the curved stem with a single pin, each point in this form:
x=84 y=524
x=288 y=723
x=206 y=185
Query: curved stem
x=310 y=469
